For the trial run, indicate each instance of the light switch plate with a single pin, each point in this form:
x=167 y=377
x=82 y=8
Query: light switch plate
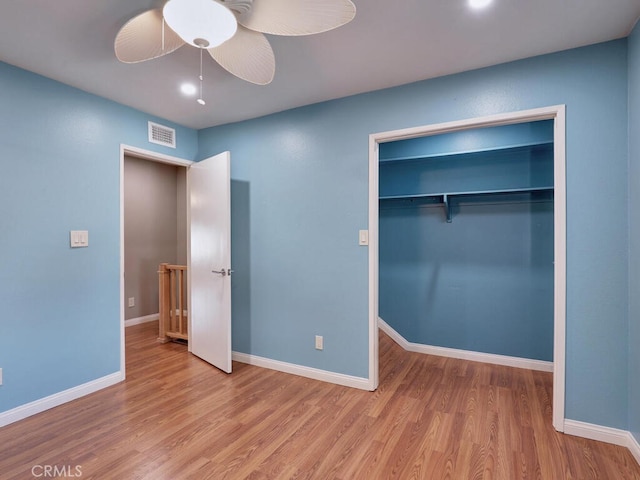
x=363 y=237
x=79 y=238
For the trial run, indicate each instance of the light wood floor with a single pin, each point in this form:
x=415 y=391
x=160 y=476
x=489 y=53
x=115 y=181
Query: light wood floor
x=176 y=417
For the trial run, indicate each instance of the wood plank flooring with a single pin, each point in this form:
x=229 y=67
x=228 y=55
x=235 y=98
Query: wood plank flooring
x=175 y=417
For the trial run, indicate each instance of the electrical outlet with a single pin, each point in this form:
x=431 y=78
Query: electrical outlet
x=319 y=342
x=132 y=301
x=0 y=376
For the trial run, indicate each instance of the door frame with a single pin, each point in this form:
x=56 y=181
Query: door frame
x=555 y=113
x=128 y=150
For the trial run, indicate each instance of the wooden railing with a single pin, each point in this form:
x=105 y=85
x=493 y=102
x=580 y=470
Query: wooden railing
x=173 y=306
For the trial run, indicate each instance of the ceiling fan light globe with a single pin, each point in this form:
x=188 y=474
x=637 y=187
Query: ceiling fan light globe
x=200 y=22
x=479 y=4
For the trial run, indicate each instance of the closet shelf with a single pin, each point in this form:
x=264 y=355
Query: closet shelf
x=503 y=148
x=444 y=198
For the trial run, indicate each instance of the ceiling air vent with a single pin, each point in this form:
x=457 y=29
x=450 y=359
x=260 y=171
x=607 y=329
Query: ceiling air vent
x=162 y=135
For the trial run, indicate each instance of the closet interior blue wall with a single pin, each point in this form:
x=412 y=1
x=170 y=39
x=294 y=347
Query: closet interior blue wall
x=484 y=281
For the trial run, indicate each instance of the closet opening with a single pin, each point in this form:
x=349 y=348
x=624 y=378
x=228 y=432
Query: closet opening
x=467 y=241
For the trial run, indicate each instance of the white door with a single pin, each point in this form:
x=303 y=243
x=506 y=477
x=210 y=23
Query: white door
x=210 y=260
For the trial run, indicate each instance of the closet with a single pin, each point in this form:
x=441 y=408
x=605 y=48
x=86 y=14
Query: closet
x=466 y=239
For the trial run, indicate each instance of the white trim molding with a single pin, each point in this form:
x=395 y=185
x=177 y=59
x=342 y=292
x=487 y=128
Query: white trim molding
x=46 y=403
x=138 y=320
x=374 y=264
x=308 y=372
x=614 y=436
x=592 y=431
x=492 y=358
x=153 y=156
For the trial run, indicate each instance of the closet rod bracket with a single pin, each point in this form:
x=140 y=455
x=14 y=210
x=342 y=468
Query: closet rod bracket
x=447 y=207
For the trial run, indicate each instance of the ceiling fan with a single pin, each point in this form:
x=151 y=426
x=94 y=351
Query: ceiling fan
x=231 y=31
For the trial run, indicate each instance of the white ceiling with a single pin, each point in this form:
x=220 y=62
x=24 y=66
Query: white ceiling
x=389 y=43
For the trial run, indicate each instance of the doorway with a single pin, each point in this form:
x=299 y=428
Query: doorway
x=155 y=232
x=555 y=113
x=145 y=155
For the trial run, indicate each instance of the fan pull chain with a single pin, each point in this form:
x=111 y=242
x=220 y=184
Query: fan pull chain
x=163 y=34
x=200 y=99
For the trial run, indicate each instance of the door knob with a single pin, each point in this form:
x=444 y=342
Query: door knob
x=229 y=271
x=219 y=272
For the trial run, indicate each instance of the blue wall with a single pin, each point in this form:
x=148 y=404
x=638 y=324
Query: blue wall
x=295 y=220
x=60 y=150
x=301 y=178
x=634 y=233
x=483 y=282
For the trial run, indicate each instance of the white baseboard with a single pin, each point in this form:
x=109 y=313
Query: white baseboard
x=37 y=406
x=614 y=436
x=308 y=372
x=516 y=362
x=591 y=431
x=137 y=321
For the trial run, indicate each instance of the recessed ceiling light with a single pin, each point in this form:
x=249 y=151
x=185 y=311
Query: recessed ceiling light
x=478 y=4
x=188 y=89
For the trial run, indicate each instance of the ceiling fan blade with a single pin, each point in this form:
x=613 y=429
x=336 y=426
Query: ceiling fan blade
x=141 y=38
x=297 y=17
x=247 y=55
